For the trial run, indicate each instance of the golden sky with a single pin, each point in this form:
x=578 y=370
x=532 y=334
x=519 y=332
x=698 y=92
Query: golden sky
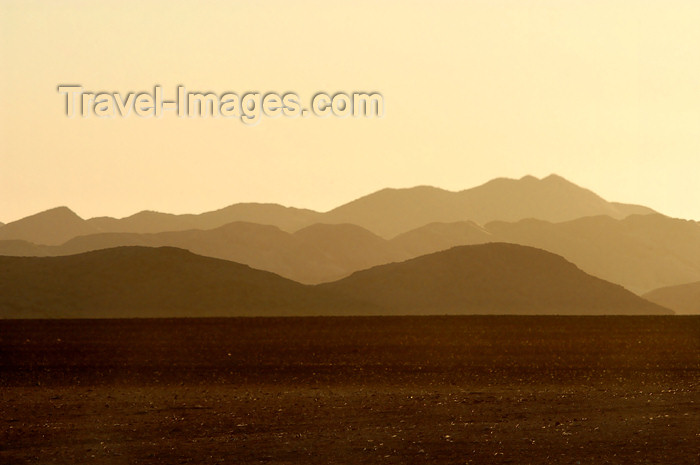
x=604 y=93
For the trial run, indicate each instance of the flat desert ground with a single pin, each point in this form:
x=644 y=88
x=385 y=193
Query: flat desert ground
x=399 y=390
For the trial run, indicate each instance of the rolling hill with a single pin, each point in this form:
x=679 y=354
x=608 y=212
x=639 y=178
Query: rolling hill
x=315 y=254
x=641 y=252
x=683 y=299
x=493 y=278
x=150 y=282
x=170 y=282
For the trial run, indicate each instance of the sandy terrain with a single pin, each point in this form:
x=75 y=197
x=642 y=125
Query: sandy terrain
x=457 y=390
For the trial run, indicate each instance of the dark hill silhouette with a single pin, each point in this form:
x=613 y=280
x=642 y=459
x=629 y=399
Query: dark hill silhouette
x=50 y=227
x=390 y=212
x=170 y=282
x=150 y=282
x=262 y=247
x=640 y=252
x=683 y=299
x=490 y=278
x=312 y=255
x=386 y=213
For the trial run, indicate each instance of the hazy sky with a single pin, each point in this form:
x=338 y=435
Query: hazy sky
x=604 y=93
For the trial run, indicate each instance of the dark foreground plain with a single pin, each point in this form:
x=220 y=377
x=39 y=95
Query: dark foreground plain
x=400 y=390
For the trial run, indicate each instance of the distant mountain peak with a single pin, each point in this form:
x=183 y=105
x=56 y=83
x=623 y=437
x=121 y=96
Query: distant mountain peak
x=531 y=179
x=528 y=178
x=556 y=177
x=527 y=181
x=57 y=211
x=560 y=181
x=51 y=227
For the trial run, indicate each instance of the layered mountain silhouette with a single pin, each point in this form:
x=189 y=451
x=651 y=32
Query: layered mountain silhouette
x=315 y=254
x=434 y=237
x=682 y=299
x=51 y=227
x=625 y=244
x=285 y=218
x=492 y=278
x=393 y=211
x=640 y=252
x=151 y=282
x=386 y=213
x=158 y=282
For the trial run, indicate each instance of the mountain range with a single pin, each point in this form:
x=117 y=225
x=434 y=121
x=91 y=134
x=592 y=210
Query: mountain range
x=493 y=278
x=390 y=212
x=166 y=281
x=629 y=245
x=317 y=253
x=387 y=213
x=640 y=252
x=128 y=282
